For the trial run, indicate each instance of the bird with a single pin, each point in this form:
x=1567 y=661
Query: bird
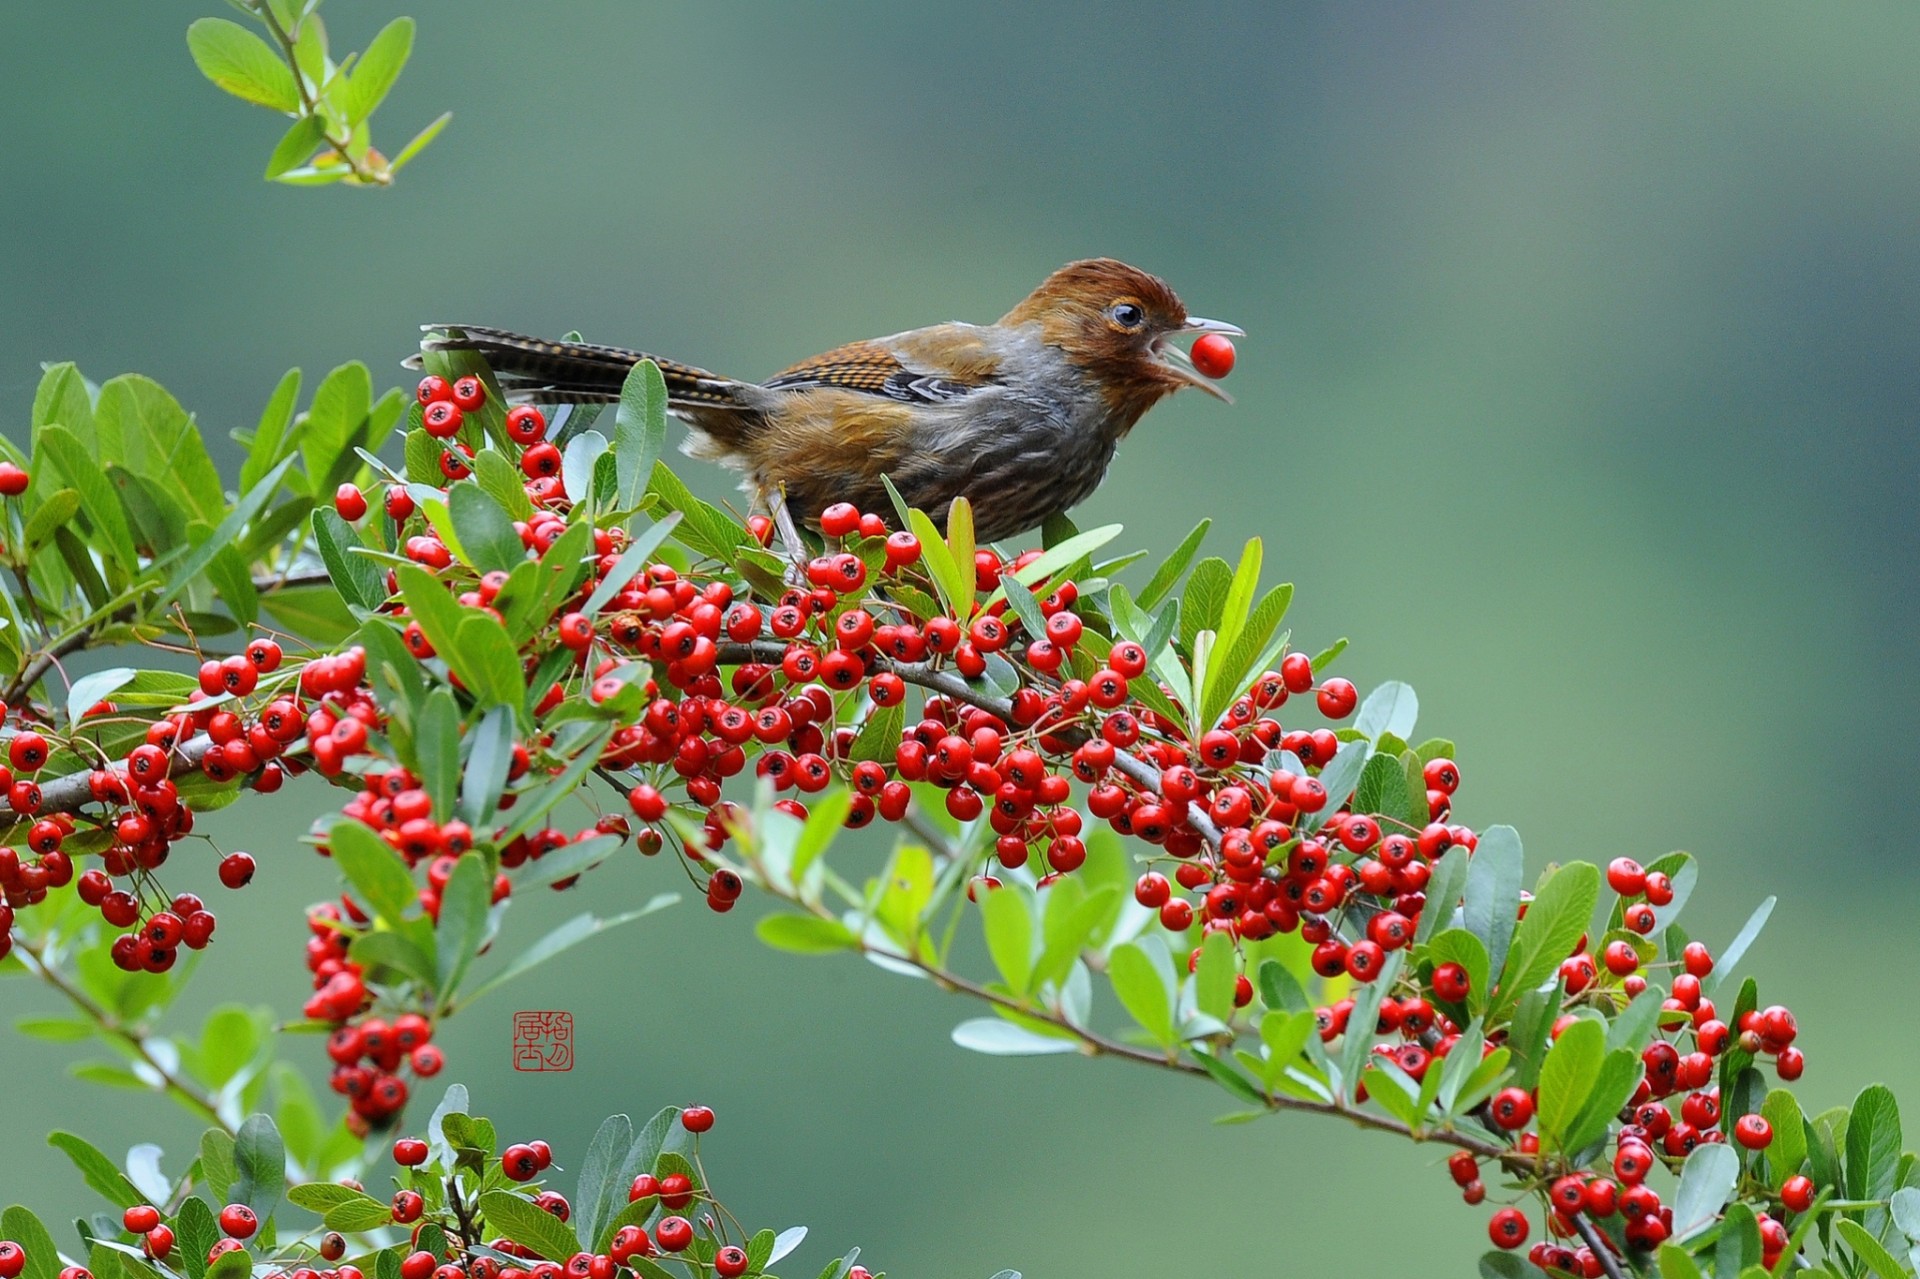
x=1021 y=417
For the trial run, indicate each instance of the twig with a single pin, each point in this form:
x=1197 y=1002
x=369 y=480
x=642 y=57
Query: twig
x=112 y=1026
x=1597 y=1242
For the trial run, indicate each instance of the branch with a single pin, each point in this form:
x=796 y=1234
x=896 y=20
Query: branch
x=1597 y=1242
x=72 y=792
x=113 y=1027
x=309 y=104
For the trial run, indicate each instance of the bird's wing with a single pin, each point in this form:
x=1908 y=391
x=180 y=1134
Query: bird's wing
x=926 y=366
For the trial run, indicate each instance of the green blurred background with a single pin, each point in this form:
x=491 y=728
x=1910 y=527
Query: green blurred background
x=1579 y=390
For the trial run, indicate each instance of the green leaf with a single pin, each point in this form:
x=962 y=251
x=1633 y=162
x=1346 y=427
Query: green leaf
x=639 y=433
x=260 y=1166
x=378 y=68
x=1010 y=936
x=1254 y=648
x=1619 y=1074
x=1567 y=1077
x=335 y=421
x=563 y=938
x=1561 y=909
x=960 y=543
x=1677 y=1263
x=1173 y=566
x=436 y=749
x=419 y=142
x=1739 y=1244
x=946 y=575
x=1058 y=557
x=1533 y=1018
x=1725 y=961
x=805 y=934
x=25 y=1229
x=1143 y=983
x=1445 y=885
x=1342 y=774
x=1284 y=1036
x=398 y=951
x=360 y=581
x=1873 y=1151
x=1493 y=891
x=1391 y=708
x=502 y=480
x=464 y=903
x=1213 y=982
x=1382 y=788
x=1503 y=1265
x=600 y=1192
x=196 y=1230
x=62 y=398
x=379 y=875
x=707 y=528
x=639 y=553
x=56 y=509
x=1707 y=1181
x=96 y=1169
x=75 y=464
x=1458 y=946
x=1279 y=989
x=529 y=1226
x=1634 y=1026
x=1206 y=594
x=217 y=1163
x=296 y=146
x=1238 y=604
x=1870 y=1250
x=240 y=62
x=998 y=1038
x=1789 y=1147
x=485 y=528
x=489 y=760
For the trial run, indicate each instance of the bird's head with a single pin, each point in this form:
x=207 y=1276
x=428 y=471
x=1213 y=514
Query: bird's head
x=1121 y=326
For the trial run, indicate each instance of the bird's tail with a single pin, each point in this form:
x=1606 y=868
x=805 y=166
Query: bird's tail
x=531 y=368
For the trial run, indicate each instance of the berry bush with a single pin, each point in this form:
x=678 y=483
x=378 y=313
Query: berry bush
x=1132 y=822
x=1138 y=787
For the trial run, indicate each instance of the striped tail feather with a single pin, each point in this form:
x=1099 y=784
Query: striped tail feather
x=531 y=368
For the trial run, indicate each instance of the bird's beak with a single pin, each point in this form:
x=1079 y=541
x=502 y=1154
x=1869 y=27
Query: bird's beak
x=1176 y=359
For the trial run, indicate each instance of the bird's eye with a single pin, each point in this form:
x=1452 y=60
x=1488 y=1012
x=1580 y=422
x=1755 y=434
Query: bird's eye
x=1127 y=315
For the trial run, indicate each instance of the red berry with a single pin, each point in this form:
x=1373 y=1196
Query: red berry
x=520 y=1163
x=1508 y=1229
x=1451 y=983
x=236 y=869
x=350 y=502
x=238 y=1221
x=431 y=388
x=418 y=1265
x=409 y=1152
x=140 y=1218
x=13 y=482
x=441 y=420
x=1625 y=877
x=698 y=1118
x=1213 y=355
x=13 y=1258
x=159 y=1243
x=1511 y=1108
x=674 y=1233
x=1798 y=1193
x=1337 y=698
x=730 y=1262
x=469 y=393
x=526 y=424
x=1753 y=1132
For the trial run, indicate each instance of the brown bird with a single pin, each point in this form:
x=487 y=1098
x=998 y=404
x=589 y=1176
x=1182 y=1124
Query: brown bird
x=1021 y=416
